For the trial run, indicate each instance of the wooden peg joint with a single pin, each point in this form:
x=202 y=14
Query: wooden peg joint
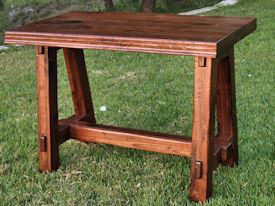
x=202 y=61
x=40 y=50
x=198 y=169
x=43 y=144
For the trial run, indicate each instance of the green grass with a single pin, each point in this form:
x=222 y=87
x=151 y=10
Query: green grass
x=9 y=3
x=165 y=6
x=133 y=5
x=146 y=91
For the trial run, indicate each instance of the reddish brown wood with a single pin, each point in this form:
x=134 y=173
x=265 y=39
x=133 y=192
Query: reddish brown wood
x=201 y=61
x=130 y=138
x=198 y=169
x=46 y=73
x=153 y=33
x=203 y=128
x=226 y=110
x=210 y=39
x=63 y=134
x=79 y=83
x=43 y=144
x=216 y=156
x=64 y=128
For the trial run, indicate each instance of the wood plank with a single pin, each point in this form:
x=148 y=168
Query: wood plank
x=63 y=134
x=226 y=110
x=46 y=74
x=64 y=127
x=152 y=33
x=115 y=44
x=79 y=83
x=130 y=138
x=216 y=157
x=203 y=128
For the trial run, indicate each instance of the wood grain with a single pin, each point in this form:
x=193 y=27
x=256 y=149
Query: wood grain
x=226 y=110
x=209 y=39
x=203 y=128
x=46 y=73
x=79 y=83
x=63 y=134
x=152 y=33
x=130 y=138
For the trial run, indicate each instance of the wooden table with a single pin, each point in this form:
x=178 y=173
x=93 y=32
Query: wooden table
x=209 y=39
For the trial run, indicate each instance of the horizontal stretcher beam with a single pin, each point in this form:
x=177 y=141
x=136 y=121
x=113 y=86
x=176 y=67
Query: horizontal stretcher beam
x=78 y=128
x=130 y=138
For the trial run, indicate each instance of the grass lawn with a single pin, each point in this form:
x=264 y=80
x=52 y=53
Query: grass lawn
x=150 y=92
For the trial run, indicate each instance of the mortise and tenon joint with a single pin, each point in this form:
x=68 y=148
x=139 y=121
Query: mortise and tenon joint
x=210 y=40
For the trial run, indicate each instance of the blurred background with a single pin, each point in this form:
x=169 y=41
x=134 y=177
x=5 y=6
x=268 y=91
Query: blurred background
x=18 y=12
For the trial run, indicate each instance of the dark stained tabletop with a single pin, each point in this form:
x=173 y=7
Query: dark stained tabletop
x=153 y=33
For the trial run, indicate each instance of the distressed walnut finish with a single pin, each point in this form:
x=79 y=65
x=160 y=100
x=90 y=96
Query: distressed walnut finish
x=209 y=39
x=46 y=72
x=153 y=33
x=203 y=127
x=79 y=83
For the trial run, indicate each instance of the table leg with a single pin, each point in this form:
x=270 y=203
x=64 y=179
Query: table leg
x=46 y=73
x=203 y=128
x=226 y=110
x=79 y=83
